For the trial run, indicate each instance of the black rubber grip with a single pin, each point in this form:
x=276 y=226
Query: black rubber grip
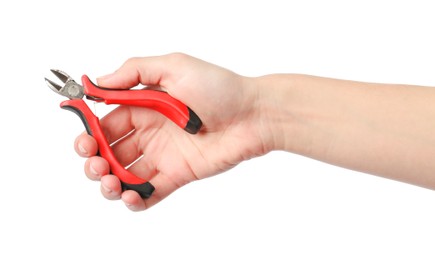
x=145 y=189
x=194 y=123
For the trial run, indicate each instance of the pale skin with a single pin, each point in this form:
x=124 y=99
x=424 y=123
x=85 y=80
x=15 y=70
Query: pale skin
x=382 y=129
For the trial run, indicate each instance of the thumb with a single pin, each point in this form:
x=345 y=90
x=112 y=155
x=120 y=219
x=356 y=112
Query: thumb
x=145 y=71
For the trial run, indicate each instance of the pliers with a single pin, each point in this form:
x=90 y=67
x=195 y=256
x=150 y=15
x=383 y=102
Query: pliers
x=160 y=101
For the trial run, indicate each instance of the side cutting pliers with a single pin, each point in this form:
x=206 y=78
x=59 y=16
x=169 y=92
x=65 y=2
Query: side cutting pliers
x=160 y=101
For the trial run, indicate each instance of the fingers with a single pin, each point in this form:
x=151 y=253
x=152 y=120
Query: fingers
x=111 y=187
x=85 y=145
x=146 y=71
x=134 y=71
x=115 y=125
x=96 y=167
x=164 y=187
x=133 y=201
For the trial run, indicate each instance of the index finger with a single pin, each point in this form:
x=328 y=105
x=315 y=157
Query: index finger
x=144 y=70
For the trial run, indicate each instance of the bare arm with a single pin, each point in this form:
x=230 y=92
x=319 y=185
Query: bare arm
x=384 y=129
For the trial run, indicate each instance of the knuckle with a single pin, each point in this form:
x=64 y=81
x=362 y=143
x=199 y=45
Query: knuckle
x=177 y=57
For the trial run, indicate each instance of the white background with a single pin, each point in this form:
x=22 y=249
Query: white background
x=280 y=206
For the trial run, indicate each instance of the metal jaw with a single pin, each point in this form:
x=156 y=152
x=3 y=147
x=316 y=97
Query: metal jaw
x=71 y=89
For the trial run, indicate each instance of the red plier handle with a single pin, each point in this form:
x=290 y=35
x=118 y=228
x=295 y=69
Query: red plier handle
x=128 y=180
x=162 y=102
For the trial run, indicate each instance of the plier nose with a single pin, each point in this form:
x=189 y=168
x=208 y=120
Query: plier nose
x=70 y=89
x=160 y=101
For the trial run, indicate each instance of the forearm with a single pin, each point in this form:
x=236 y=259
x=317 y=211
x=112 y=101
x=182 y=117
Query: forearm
x=387 y=130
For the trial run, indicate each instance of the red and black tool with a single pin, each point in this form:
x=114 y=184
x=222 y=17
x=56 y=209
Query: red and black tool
x=160 y=101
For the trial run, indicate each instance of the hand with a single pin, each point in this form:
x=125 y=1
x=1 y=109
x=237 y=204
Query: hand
x=225 y=102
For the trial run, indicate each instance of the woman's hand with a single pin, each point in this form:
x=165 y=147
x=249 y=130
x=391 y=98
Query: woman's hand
x=169 y=157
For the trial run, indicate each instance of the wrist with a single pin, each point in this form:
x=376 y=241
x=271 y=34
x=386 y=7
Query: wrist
x=292 y=111
x=277 y=119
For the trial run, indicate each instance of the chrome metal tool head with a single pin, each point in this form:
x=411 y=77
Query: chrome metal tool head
x=70 y=88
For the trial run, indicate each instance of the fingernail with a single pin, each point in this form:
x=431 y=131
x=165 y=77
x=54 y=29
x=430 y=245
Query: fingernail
x=93 y=171
x=106 y=189
x=82 y=149
x=130 y=206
